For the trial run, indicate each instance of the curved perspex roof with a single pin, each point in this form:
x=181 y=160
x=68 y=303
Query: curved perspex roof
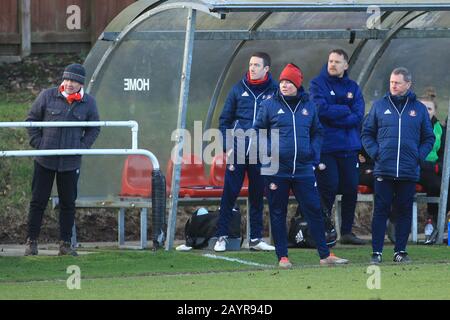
x=135 y=68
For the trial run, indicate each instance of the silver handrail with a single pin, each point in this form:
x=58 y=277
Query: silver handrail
x=27 y=124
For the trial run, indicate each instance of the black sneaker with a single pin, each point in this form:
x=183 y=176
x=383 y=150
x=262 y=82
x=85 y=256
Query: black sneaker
x=65 y=249
x=350 y=238
x=376 y=258
x=31 y=247
x=401 y=257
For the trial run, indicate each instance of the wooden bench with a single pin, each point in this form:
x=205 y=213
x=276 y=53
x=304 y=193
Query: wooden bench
x=144 y=204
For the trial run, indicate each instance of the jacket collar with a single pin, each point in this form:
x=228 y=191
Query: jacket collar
x=270 y=82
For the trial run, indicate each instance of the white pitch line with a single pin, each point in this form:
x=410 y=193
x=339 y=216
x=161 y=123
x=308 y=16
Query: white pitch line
x=213 y=256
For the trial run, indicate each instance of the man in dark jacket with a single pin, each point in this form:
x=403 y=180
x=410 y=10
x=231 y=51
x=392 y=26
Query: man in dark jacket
x=341 y=110
x=398 y=135
x=68 y=102
x=238 y=115
x=431 y=168
x=294 y=119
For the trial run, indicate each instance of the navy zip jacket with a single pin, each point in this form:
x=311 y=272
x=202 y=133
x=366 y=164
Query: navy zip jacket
x=242 y=104
x=341 y=110
x=300 y=134
x=398 y=138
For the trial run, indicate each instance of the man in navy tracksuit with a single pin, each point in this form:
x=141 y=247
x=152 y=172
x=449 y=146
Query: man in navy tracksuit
x=297 y=151
x=341 y=110
x=238 y=115
x=398 y=135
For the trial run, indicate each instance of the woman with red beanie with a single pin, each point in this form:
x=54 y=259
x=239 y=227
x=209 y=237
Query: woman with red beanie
x=294 y=116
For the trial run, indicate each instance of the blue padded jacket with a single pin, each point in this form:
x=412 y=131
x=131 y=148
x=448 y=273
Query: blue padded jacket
x=398 y=141
x=300 y=134
x=242 y=104
x=341 y=110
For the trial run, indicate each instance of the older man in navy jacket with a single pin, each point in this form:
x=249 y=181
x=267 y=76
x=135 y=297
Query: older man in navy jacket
x=398 y=135
x=341 y=110
x=238 y=115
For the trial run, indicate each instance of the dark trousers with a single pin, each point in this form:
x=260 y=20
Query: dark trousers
x=232 y=186
x=305 y=191
x=341 y=175
x=386 y=192
x=41 y=188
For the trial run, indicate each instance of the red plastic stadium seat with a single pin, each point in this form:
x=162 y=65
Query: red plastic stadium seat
x=364 y=189
x=420 y=188
x=217 y=174
x=137 y=177
x=193 y=182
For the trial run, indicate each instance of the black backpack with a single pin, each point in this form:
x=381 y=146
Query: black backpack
x=299 y=235
x=200 y=228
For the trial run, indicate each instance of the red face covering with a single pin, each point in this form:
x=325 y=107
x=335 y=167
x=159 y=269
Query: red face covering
x=70 y=97
x=259 y=81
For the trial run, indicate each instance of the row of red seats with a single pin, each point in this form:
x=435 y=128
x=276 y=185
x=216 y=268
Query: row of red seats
x=368 y=190
x=137 y=172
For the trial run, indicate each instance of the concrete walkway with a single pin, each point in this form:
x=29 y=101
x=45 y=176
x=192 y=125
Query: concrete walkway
x=83 y=248
x=51 y=249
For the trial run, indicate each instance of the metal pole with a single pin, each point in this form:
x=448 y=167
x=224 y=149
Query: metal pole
x=414 y=223
x=25 y=27
x=41 y=124
x=181 y=124
x=134 y=136
x=444 y=185
x=121 y=226
x=81 y=152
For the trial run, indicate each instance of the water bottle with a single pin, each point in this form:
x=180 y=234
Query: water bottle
x=428 y=231
x=202 y=211
x=448 y=230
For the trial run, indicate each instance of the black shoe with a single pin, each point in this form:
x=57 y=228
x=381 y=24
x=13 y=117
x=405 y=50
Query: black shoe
x=376 y=258
x=65 y=249
x=401 y=257
x=350 y=238
x=31 y=247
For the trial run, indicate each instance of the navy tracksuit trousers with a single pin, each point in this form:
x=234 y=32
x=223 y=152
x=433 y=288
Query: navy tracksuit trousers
x=306 y=194
x=234 y=179
x=341 y=175
x=387 y=191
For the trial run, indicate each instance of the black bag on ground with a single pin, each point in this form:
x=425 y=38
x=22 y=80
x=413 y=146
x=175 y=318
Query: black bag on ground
x=299 y=235
x=201 y=227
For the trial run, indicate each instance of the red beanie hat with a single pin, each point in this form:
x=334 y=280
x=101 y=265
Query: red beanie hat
x=293 y=74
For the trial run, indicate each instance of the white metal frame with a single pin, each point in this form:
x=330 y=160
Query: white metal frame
x=66 y=152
